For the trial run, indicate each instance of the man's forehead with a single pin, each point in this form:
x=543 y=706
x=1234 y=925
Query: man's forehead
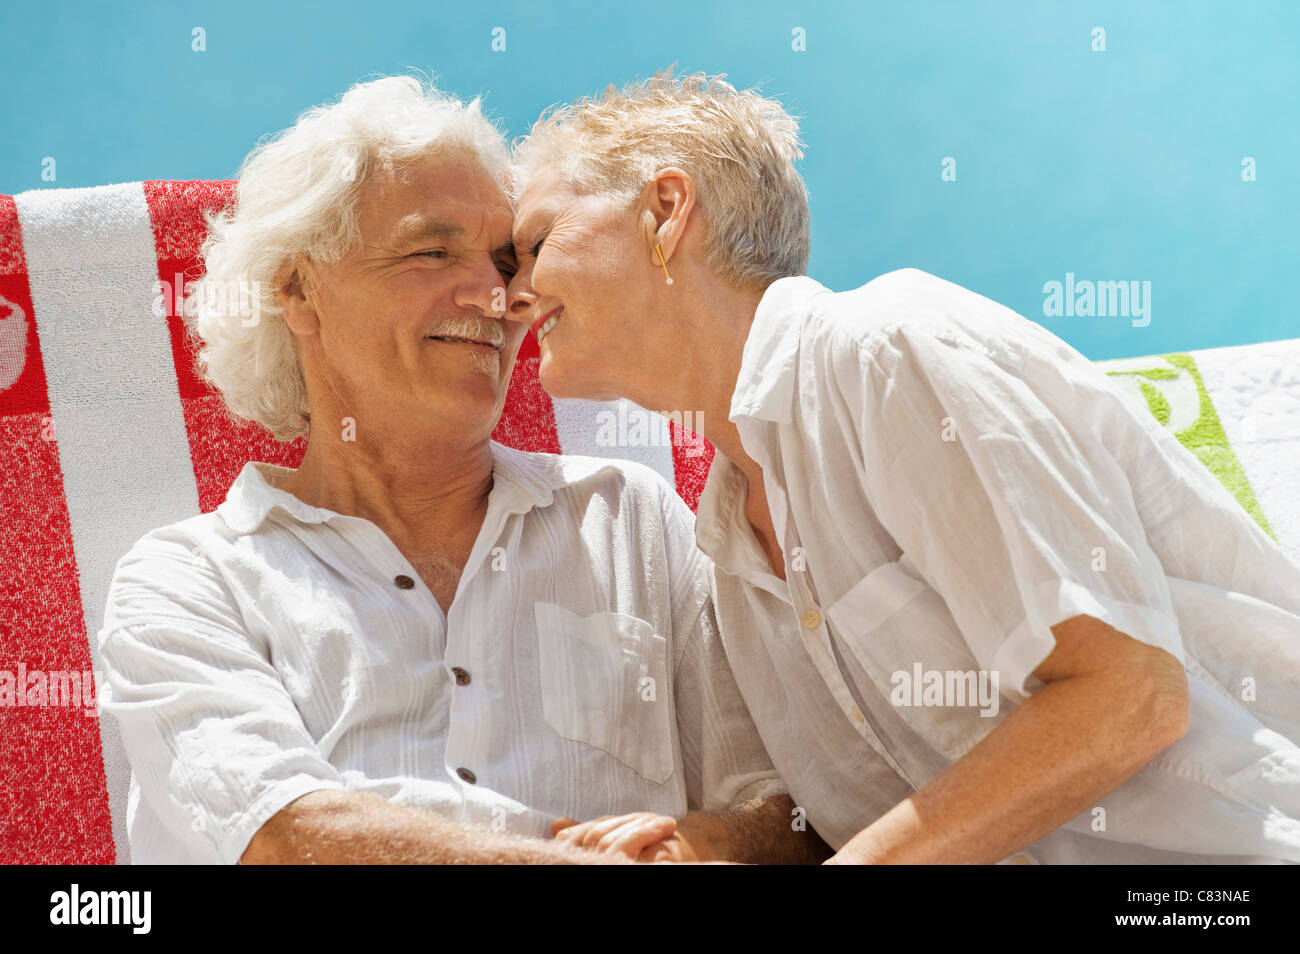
x=443 y=217
x=464 y=223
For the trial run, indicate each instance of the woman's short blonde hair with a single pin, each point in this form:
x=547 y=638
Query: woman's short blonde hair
x=297 y=199
x=738 y=146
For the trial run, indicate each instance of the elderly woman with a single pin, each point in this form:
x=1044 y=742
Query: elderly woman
x=419 y=643
x=976 y=604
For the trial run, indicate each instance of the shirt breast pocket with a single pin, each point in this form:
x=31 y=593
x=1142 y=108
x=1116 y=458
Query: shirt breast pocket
x=901 y=633
x=604 y=680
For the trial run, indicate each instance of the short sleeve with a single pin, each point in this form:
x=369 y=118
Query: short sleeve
x=215 y=742
x=1007 y=504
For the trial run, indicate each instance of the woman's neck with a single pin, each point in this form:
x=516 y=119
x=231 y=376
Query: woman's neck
x=693 y=366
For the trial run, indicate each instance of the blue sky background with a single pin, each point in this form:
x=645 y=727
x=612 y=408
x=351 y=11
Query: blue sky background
x=1117 y=166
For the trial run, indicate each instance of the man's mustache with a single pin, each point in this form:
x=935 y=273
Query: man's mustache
x=475 y=329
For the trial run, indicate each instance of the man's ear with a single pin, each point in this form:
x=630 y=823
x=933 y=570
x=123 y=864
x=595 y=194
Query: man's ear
x=669 y=200
x=293 y=289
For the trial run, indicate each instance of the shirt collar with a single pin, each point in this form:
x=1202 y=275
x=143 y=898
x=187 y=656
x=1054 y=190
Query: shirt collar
x=765 y=385
x=521 y=481
x=717 y=497
x=723 y=533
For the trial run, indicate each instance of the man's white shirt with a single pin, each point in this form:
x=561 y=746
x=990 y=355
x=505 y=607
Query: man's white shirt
x=947 y=480
x=270 y=648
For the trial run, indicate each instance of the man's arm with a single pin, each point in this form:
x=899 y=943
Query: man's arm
x=339 y=827
x=1110 y=704
x=761 y=831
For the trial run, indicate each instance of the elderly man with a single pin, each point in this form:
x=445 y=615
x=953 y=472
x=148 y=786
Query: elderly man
x=419 y=646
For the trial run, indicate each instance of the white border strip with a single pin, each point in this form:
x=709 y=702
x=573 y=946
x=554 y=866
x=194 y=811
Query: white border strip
x=616 y=429
x=117 y=415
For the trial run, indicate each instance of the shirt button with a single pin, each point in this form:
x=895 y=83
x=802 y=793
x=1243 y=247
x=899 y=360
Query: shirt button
x=404 y=582
x=462 y=676
x=466 y=775
x=811 y=619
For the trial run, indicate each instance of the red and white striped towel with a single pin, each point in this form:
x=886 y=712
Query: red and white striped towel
x=106 y=432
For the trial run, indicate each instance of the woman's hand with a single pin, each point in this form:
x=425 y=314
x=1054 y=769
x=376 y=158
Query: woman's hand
x=642 y=836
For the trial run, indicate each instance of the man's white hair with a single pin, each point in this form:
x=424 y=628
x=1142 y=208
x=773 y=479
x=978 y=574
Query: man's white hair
x=297 y=199
x=738 y=146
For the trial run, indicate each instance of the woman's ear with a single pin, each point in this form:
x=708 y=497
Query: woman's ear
x=670 y=200
x=293 y=289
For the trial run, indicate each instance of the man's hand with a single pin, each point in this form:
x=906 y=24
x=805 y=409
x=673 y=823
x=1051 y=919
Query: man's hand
x=641 y=836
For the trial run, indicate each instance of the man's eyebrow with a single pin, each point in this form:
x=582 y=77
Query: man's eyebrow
x=413 y=230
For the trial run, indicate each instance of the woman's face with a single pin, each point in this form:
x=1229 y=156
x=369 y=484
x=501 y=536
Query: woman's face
x=581 y=286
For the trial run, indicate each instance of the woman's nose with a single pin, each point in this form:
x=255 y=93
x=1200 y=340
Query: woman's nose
x=520 y=298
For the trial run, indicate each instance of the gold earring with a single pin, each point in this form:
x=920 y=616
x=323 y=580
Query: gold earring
x=668 y=279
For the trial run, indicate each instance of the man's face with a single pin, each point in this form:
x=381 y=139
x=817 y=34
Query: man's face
x=410 y=321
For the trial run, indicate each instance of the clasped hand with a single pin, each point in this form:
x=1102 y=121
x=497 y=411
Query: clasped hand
x=644 y=837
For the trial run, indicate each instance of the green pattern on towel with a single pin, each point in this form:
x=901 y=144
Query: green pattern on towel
x=1165 y=382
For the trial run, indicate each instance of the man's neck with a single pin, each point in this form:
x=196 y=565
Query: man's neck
x=427 y=494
